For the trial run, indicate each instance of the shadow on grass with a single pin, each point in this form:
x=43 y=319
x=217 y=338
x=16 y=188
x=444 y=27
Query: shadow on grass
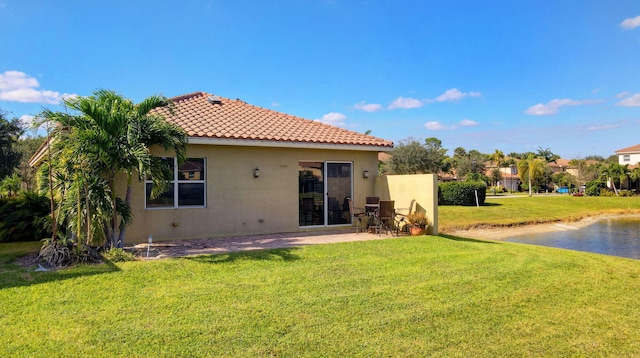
x=256 y=255
x=466 y=239
x=15 y=275
x=491 y=204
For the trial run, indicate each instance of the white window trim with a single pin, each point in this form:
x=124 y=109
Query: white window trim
x=176 y=182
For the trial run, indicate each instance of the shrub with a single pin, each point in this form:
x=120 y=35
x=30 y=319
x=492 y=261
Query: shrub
x=66 y=252
x=461 y=193
x=594 y=187
x=24 y=217
x=607 y=192
x=119 y=255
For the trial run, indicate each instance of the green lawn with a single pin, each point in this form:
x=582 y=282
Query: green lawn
x=537 y=209
x=408 y=296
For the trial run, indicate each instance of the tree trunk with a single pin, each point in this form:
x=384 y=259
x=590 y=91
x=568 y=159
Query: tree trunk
x=124 y=230
x=530 y=189
x=114 y=217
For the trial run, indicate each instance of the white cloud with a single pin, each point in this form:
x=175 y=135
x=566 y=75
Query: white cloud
x=275 y=104
x=27 y=120
x=371 y=107
x=437 y=126
x=434 y=126
x=454 y=94
x=630 y=23
x=633 y=101
x=468 y=123
x=552 y=107
x=603 y=127
x=622 y=94
x=402 y=102
x=16 y=86
x=333 y=118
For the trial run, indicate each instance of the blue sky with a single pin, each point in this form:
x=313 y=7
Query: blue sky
x=484 y=75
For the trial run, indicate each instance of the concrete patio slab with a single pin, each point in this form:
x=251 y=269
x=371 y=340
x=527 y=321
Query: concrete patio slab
x=220 y=245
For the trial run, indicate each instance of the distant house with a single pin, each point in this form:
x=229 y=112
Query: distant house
x=629 y=155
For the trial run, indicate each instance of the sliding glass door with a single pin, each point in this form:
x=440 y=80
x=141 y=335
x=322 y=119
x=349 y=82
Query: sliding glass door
x=322 y=193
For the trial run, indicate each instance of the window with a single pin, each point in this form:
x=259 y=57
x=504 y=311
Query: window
x=189 y=177
x=626 y=157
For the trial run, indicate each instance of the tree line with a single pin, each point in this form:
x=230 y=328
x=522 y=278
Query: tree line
x=411 y=156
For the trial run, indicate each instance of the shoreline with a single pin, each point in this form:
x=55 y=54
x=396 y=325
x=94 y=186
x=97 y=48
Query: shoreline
x=502 y=233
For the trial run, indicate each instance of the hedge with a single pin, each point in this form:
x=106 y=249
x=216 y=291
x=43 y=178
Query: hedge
x=24 y=218
x=461 y=193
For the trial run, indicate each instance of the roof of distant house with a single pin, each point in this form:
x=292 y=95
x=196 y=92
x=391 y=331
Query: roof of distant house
x=211 y=119
x=632 y=149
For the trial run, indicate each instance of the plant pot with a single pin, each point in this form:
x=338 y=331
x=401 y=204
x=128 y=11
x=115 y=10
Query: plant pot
x=416 y=230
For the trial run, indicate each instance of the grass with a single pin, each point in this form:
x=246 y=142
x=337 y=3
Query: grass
x=411 y=296
x=408 y=296
x=533 y=210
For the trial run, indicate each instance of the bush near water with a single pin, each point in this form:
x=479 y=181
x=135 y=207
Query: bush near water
x=461 y=193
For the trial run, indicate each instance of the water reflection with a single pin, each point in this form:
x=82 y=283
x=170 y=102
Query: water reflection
x=613 y=236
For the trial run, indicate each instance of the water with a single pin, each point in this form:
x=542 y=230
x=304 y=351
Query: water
x=613 y=236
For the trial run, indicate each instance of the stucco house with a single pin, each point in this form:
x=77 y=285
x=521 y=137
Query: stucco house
x=629 y=155
x=251 y=170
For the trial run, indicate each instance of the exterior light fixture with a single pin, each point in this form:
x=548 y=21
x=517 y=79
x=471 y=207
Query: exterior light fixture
x=365 y=174
x=256 y=172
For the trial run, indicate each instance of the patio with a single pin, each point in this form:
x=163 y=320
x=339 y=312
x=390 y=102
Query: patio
x=221 y=245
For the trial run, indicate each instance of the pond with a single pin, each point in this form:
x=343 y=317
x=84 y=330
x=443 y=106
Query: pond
x=610 y=236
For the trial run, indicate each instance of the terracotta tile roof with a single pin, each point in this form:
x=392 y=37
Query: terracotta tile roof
x=207 y=116
x=632 y=149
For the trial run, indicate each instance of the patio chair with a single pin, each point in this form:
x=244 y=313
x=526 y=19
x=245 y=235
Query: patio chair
x=400 y=219
x=385 y=217
x=371 y=203
x=356 y=216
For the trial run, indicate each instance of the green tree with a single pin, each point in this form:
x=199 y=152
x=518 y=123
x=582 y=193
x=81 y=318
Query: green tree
x=547 y=155
x=563 y=179
x=496 y=177
x=10 y=185
x=497 y=157
x=106 y=135
x=435 y=155
x=10 y=131
x=635 y=176
x=413 y=157
x=472 y=162
x=408 y=157
x=26 y=147
x=529 y=169
x=615 y=172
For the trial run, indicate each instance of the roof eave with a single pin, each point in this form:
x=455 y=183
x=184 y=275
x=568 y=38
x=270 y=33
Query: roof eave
x=286 y=144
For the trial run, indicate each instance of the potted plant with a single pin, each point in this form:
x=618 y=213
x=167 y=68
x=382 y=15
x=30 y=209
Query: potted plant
x=417 y=223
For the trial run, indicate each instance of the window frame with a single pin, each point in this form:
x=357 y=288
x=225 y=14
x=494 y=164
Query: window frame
x=175 y=182
x=626 y=157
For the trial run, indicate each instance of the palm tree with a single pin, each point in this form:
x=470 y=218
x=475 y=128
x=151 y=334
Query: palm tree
x=530 y=169
x=497 y=157
x=635 y=175
x=547 y=155
x=108 y=135
x=613 y=172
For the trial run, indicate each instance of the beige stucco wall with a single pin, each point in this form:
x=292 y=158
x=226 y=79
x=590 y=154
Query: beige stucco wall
x=404 y=188
x=238 y=203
